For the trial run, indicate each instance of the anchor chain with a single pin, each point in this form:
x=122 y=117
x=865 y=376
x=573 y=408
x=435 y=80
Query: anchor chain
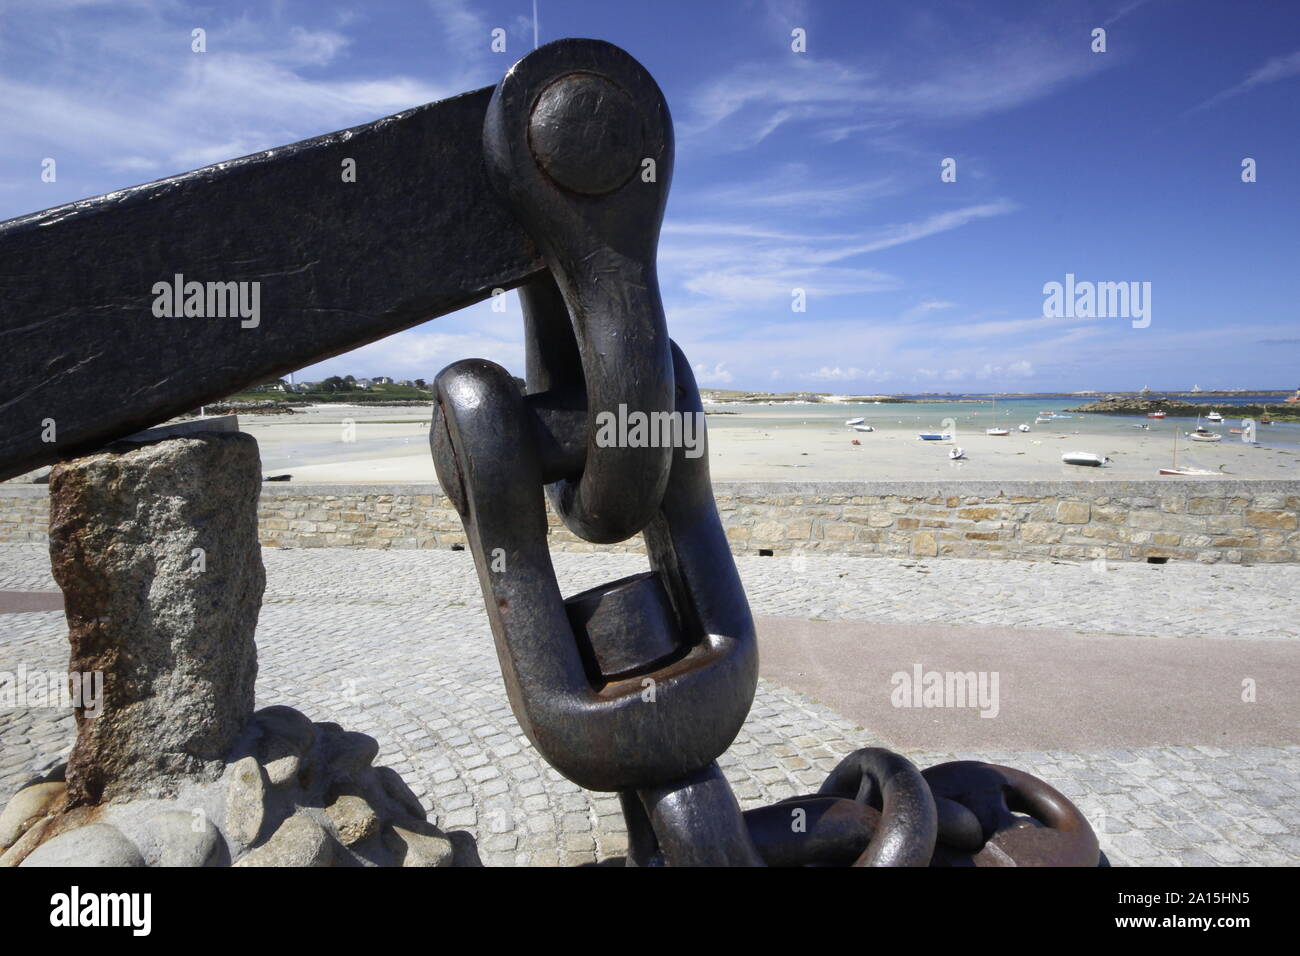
x=639 y=685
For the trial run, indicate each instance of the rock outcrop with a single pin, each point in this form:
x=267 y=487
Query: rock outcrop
x=155 y=547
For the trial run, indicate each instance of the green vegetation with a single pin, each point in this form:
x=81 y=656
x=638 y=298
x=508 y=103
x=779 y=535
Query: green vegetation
x=375 y=393
x=337 y=389
x=341 y=389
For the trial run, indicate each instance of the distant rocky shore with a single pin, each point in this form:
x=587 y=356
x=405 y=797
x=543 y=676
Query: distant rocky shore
x=282 y=407
x=1176 y=408
x=267 y=407
x=726 y=396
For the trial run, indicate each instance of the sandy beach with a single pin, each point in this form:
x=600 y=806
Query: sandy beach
x=807 y=442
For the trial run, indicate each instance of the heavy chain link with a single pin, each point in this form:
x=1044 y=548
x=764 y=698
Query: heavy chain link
x=639 y=685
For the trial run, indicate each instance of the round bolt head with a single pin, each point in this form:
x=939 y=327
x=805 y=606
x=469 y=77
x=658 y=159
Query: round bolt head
x=585 y=133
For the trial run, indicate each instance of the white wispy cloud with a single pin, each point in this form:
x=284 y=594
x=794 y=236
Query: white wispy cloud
x=1278 y=68
x=771 y=264
x=136 y=99
x=718 y=375
x=1131 y=7
x=1008 y=65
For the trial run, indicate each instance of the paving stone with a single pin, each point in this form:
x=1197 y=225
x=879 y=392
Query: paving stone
x=360 y=638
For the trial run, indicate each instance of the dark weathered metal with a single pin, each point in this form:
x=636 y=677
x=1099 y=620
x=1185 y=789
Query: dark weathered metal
x=624 y=731
x=1024 y=821
x=637 y=686
x=624 y=627
x=418 y=234
x=908 y=821
x=579 y=143
x=813 y=831
x=696 y=821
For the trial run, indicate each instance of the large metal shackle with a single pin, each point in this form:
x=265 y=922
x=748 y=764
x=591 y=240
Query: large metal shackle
x=613 y=697
x=579 y=144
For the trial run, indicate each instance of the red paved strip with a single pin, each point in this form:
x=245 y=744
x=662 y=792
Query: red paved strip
x=1057 y=690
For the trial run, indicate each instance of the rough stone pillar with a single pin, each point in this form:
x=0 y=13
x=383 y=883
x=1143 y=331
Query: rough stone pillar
x=155 y=547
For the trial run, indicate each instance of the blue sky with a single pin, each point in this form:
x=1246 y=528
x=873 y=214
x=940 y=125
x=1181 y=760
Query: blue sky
x=816 y=170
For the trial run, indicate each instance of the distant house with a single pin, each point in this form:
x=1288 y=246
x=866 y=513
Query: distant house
x=364 y=383
x=382 y=380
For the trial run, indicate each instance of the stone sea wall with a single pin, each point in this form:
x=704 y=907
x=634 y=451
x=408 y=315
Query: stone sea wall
x=1210 y=520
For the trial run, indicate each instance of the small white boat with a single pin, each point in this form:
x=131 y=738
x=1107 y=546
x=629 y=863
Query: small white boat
x=855 y=421
x=1155 y=414
x=1024 y=428
x=934 y=436
x=1043 y=420
x=1214 y=417
x=997 y=431
x=1205 y=436
x=1084 y=458
x=1185 y=470
x=957 y=454
x=863 y=428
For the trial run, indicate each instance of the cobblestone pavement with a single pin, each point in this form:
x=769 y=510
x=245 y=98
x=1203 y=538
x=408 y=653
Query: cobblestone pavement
x=396 y=644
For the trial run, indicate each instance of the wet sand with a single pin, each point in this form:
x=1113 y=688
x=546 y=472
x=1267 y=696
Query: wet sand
x=798 y=444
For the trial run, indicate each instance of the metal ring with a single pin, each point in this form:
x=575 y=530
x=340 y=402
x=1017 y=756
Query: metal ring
x=638 y=731
x=891 y=783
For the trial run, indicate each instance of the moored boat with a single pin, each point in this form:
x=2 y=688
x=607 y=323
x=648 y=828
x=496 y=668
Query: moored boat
x=997 y=431
x=1085 y=458
x=1185 y=471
